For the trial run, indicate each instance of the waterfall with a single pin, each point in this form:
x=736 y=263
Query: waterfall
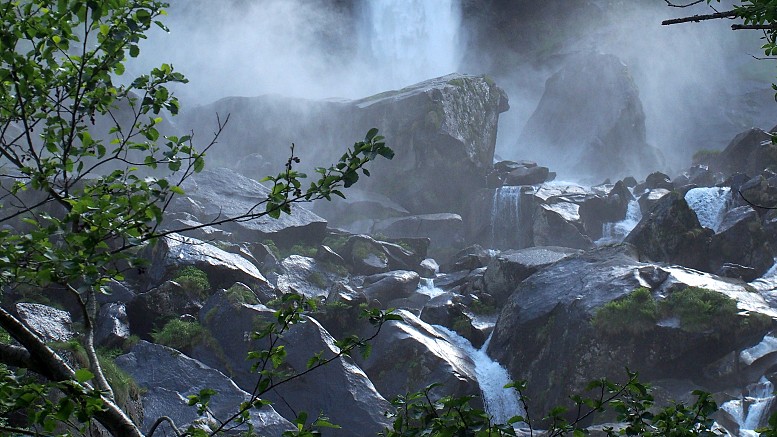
x=500 y=403
x=709 y=204
x=505 y=216
x=750 y=411
x=411 y=40
x=615 y=232
x=426 y=286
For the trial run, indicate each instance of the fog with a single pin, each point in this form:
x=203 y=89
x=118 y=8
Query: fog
x=698 y=82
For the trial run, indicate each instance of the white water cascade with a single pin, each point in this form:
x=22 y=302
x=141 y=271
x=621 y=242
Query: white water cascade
x=500 y=403
x=411 y=40
x=615 y=232
x=750 y=411
x=709 y=203
x=505 y=216
x=426 y=286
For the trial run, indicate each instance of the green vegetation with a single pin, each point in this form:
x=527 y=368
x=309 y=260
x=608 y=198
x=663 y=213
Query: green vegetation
x=365 y=250
x=182 y=335
x=697 y=309
x=705 y=156
x=240 y=294
x=634 y=314
x=193 y=280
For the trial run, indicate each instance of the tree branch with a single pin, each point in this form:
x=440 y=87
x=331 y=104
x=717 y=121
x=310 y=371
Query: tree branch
x=699 y=18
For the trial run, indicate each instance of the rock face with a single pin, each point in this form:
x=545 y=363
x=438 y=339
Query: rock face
x=438 y=128
x=340 y=389
x=420 y=357
x=749 y=152
x=49 y=323
x=168 y=377
x=590 y=122
x=549 y=318
x=223 y=193
x=671 y=232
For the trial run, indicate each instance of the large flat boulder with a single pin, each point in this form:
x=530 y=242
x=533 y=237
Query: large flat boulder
x=441 y=129
x=557 y=313
x=167 y=377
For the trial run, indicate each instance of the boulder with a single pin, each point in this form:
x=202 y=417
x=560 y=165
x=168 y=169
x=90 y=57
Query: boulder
x=420 y=356
x=470 y=258
x=527 y=176
x=222 y=194
x=357 y=206
x=390 y=286
x=174 y=251
x=51 y=324
x=306 y=276
x=671 y=233
x=649 y=199
x=510 y=268
x=445 y=230
x=749 y=152
x=590 y=123
x=167 y=377
x=340 y=390
x=112 y=326
x=559 y=224
x=440 y=127
x=552 y=316
x=740 y=240
x=759 y=192
x=152 y=309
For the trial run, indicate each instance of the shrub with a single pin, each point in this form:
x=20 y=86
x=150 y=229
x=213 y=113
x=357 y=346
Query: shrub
x=239 y=294
x=181 y=335
x=634 y=314
x=193 y=280
x=700 y=309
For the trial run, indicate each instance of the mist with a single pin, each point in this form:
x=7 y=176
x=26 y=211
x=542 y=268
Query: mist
x=698 y=83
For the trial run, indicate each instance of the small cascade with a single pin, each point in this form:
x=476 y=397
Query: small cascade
x=500 y=403
x=505 y=216
x=615 y=232
x=750 y=411
x=710 y=204
x=426 y=286
x=413 y=40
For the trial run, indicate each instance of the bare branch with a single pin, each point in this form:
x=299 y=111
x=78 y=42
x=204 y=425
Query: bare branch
x=670 y=4
x=699 y=18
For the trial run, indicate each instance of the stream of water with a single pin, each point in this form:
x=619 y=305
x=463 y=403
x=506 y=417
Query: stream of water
x=505 y=216
x=500 y=403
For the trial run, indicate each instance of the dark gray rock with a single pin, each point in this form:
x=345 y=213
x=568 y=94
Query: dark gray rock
x=590 y=123
x=340 y=389
x=365 y=255
x=115 y=292
x=749 y=152
x=222 y=193
x=510 y=268
x=223 y=268
x=671 y=233
x=549 y=318
x=740 y=241
x=441 y=127
x=168 y=377
x=470 y=258
x=649 y=199
x=152 y=309
x=559 y=224
x=445 y=230
x=51 y=324
x=527 y=176
x=307 y=276
x=387 y=287
x=420 y=356
x=112 y=326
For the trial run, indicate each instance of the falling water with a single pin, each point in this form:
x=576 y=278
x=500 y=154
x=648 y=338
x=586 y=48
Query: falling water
x=505 y=216
x=750 y=411
x=426 y=286
x=617 y=231
x=412 y=40
x=709 y=204
x=500 y=403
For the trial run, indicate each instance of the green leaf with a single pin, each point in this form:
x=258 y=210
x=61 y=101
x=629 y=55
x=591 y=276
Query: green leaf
x=83 y=375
